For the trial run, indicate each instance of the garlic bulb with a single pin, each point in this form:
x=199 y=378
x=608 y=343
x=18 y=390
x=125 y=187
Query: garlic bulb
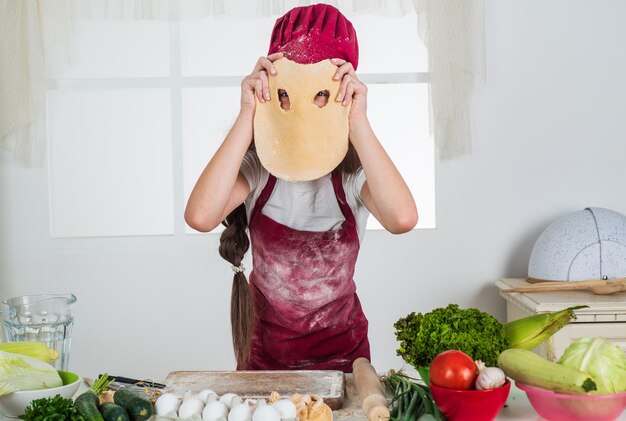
x=489 y=377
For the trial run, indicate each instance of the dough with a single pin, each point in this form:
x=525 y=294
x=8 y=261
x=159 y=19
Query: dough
x=305 y=142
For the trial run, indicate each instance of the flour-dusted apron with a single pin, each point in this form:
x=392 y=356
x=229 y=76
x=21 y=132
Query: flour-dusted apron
x=308 y=315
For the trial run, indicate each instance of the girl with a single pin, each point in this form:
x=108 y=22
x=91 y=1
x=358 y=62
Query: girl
x=300 y=310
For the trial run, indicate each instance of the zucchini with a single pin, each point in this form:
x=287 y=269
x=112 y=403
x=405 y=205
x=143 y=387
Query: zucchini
x=529 y=368
x=87 y=405
x=138 y=408
x=113 y=412
x=87 y=402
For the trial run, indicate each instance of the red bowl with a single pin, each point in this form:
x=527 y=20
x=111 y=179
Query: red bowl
x=470 y=405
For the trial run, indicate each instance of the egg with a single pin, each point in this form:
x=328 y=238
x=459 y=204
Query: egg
x=230 y=399
x=167 y=403
x=190 y=407
x=259 y=402
x=286 y=408
x=265 y=413
x=214 y=410
x=240 y=412
x=206 y=395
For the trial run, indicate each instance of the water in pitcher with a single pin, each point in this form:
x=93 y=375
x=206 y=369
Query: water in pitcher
x=45 y=318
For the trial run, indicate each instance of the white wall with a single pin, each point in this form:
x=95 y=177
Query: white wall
x=549 y=139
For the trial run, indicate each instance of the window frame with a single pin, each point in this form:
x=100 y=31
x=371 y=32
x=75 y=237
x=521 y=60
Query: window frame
x=176 y=83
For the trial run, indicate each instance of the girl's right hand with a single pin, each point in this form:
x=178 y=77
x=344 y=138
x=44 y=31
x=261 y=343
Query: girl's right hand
x=256 y=83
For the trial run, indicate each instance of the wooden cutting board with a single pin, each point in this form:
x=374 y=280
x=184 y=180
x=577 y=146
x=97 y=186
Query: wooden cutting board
x=328 y=384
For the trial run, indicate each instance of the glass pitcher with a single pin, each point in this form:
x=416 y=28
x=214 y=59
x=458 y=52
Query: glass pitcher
x=45 y=318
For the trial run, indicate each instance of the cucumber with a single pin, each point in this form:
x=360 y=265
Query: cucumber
x=529 y=368
x=138 y=408
x=87 y=405
x=113 y=412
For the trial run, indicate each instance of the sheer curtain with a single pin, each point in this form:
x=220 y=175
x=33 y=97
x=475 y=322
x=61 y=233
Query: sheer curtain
x=454 y=34
x=34 y=38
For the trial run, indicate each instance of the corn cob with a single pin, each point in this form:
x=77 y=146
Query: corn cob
x=531 y=331
x=529 y=368
x=33 y=349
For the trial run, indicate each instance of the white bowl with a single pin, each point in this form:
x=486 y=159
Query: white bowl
x=14 y=404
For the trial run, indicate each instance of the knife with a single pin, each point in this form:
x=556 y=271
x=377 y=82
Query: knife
x=129 y=380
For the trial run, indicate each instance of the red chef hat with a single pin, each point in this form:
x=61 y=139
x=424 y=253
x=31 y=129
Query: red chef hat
x=314 y=33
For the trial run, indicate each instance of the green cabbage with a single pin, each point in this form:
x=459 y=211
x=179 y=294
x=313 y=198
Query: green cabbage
x=599 y=358
x=19 y=372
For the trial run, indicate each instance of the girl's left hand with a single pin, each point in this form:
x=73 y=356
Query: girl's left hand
x=351 y=89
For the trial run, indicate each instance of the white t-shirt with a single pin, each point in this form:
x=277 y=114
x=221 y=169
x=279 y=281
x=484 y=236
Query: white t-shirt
x=305 y=205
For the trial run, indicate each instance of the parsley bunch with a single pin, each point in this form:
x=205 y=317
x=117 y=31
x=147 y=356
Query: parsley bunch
x=423 y=337
x=57 y=408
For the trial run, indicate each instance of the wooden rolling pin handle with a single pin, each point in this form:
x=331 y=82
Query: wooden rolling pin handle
x=375 y=406
x=370 y=390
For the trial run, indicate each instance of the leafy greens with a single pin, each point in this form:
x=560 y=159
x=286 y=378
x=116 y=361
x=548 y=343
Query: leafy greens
x=599 y=358
x=423 y=337
x=21 y=372
x=57 y=408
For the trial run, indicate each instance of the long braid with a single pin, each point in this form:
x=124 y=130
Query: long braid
x=234 y=244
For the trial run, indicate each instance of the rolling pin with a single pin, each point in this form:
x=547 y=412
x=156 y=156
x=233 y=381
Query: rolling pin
x=370 y=390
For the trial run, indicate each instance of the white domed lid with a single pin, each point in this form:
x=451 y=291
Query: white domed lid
x=588 y=244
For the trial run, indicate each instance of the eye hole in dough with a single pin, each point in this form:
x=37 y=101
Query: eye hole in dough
x=283 y=97
x=321 y=98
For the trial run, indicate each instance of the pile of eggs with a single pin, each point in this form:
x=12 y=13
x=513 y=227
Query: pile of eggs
x=208 y=406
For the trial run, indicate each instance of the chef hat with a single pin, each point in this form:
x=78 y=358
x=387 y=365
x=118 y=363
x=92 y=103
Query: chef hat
x=314 y=33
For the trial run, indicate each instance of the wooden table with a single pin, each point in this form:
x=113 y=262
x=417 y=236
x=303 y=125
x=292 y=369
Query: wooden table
x=517 y=406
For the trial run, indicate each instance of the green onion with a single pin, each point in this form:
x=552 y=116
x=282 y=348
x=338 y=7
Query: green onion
x=411 y=399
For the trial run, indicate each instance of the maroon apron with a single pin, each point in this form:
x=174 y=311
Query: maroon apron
x=308 y=315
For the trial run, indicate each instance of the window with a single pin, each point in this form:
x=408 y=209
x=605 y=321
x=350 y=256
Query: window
x=144 y=105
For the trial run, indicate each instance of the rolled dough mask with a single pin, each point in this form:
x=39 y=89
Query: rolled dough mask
x=306 y=141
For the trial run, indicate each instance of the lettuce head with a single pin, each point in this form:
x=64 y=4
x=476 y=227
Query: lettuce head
x=21 y=372
x=599 y=358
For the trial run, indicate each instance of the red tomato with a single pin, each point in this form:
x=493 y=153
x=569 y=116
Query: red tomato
x=453 y=369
